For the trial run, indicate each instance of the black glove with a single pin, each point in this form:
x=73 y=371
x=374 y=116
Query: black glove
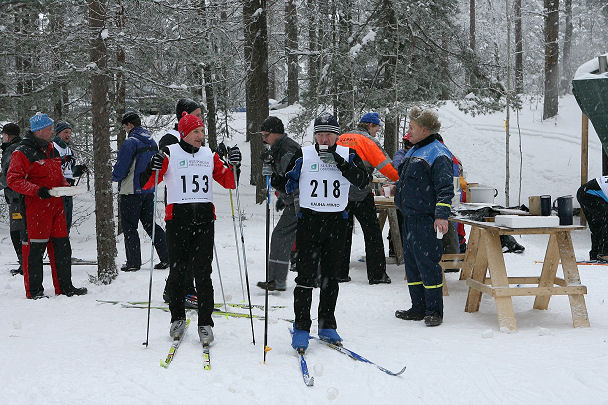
x=266 y=157
x=221 y=150
x=340 y=162
x=43 y=192
x=279 y=205
x=234 y=156
x=68 y=159
x=157 y=161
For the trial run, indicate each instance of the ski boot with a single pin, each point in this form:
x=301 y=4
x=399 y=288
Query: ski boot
x=177 y=329
x=299 y=340
x=205 y=334
x=330 y=336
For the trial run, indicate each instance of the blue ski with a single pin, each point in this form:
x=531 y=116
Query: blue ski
x=308 y=379
x=356 y=356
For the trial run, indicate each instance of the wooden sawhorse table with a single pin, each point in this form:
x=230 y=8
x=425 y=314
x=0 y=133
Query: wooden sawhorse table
x=484 y=252
x=385 y=206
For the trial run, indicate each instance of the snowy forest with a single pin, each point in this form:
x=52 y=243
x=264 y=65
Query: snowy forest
x=86 y=62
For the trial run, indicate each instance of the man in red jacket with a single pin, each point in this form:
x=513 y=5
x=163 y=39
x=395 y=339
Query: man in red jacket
x=35 y=169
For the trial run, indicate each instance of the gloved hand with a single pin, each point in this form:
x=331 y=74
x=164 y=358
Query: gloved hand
x=279 y=205
x=340 y=162
x=266 y=169
x=234 y=156
x=221 y=149
x=68 y=159
x=157 y=161
x=43 y=192
x=266 y=156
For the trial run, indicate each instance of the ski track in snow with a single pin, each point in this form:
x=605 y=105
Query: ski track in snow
x=78 y=351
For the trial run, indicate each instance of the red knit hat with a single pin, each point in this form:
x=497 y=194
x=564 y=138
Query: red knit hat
x=187 y=123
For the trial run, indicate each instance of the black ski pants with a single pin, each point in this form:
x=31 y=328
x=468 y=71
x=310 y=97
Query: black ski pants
x=320 y=239
x=60 y=256
x=365 y=212
x=596 y=212
x=190 y=246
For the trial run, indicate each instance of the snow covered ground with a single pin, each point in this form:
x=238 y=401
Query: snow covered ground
x=78 y=351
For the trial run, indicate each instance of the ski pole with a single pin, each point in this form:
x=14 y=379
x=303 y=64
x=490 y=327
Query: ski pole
x=238 y=211
x=217 y=264
x=266 y=348
x=236 y=242
x=152 y=256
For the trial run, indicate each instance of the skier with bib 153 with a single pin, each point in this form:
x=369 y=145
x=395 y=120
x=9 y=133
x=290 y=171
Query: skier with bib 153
x=322 y=173
x=188 y=169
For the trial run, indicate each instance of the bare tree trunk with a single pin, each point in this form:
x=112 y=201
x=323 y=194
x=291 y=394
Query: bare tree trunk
x=104 y=207
x=291 y=49
x=550 y=106
x=211 y=110
x=566 y=50
x=120 y=93
x=472 y=45
x=256 y=59
x=445 y=89
x=313 y=59
x=519 y=50
x=391 y=125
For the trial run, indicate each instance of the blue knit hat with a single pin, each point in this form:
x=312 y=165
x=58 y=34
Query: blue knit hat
x=40 y=121
x=371 y=117
x=60 y=126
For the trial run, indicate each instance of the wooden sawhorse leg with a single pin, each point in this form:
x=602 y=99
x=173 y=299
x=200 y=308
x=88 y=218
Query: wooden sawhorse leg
x=580 y=317
x=498 y=273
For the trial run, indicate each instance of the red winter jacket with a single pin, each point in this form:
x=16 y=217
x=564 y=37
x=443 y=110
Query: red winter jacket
x=34 y=166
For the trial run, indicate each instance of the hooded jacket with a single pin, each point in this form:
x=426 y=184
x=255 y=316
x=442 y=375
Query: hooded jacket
x=133 y=157
x=282 y=151
x=7 y=150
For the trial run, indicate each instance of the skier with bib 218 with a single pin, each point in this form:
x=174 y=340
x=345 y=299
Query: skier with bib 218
x=322 y=173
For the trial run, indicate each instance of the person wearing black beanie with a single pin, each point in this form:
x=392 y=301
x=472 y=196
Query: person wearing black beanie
x=183 y=104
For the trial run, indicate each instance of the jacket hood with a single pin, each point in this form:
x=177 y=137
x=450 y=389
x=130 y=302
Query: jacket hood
x=141 y=134
x=5 y=145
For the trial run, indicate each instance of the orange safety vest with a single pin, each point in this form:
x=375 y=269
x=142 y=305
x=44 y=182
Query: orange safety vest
x=369 y=151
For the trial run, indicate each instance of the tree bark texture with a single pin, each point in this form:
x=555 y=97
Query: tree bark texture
x=519 y=51
x=291 y=50
x=256 y=59
x=104 y=207
x=567 y=49
x=551 y=32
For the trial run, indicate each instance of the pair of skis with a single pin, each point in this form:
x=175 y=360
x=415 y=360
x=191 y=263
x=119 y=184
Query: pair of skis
x=309 y=380
x=175 y=345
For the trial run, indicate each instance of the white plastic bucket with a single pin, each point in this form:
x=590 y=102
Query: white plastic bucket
x=482 y=194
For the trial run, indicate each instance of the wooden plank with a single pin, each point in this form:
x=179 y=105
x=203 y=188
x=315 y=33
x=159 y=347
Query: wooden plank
x=444 y=288
x=478 y=272
x=382 y=214
x=452 y=256
x=547 y=275
x=517 y=231
x=498 y=272
x=470 y=255
x=538 y=291
x=393 y=223
x=517 y=280
x=476 y=285
x=580 y=317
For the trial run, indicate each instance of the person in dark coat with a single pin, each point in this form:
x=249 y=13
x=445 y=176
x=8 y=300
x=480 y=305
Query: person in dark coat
x=188 y=169
x=322 y=173
x=63 y=134
x=281 y=152
x=424 y=194
x=35 y=169
x=593 y=198
x=136 y=204
x=10 y=141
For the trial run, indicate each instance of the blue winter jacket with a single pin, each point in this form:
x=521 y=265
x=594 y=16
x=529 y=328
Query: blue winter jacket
x=133 y=157
x=425 y=185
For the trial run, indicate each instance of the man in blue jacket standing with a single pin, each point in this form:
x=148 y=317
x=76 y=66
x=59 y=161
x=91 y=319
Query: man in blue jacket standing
x=423 y=194
x=137 y=204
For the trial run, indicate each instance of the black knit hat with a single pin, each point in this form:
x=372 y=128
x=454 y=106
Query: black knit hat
x=273 y=125
x=327 y=123
x=130 y=116
x=11 y=129
x=60 y=126
x=187 y=105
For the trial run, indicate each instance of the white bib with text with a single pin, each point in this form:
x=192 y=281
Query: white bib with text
x=322 y=186
x=603 y=182
x=189 y=177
